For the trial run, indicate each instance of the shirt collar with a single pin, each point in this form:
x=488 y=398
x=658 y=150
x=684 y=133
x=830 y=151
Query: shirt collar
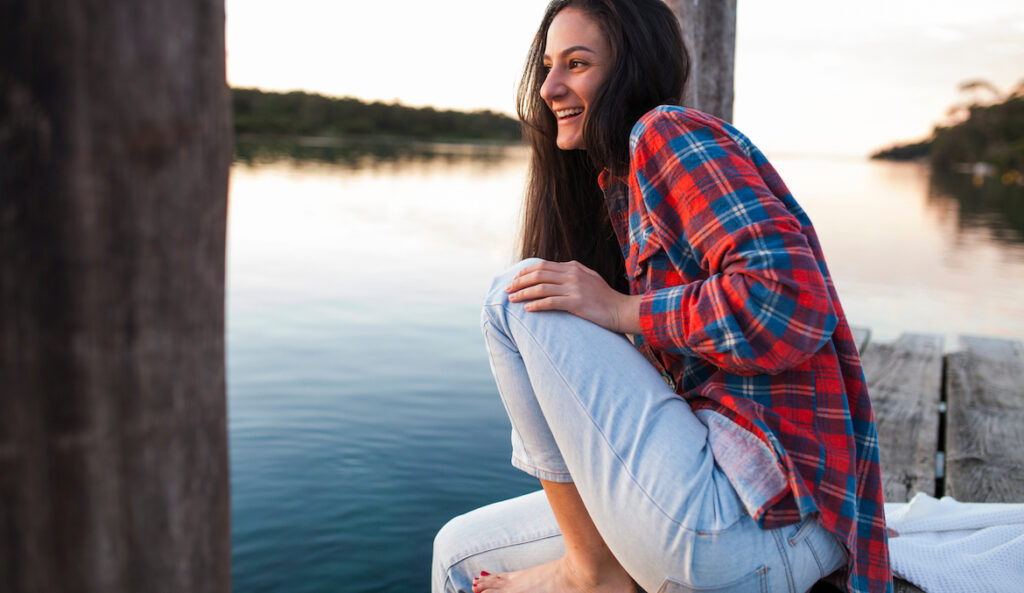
x=604 y=178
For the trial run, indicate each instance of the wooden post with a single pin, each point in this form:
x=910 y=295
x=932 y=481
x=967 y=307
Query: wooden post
x=115 y=135
x=709 y=29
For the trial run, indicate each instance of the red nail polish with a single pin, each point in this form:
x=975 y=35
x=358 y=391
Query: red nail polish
x=484 y=573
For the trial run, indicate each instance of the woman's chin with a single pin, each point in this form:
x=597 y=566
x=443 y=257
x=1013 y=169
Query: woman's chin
x=569 y=143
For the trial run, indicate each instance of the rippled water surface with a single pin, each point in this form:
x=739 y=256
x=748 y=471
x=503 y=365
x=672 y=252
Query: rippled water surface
x=361 y=408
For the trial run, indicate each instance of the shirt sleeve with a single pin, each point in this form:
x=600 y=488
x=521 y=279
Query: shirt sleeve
x=763 y=305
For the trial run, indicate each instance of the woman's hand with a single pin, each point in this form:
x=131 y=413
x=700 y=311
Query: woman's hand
x=575 y=288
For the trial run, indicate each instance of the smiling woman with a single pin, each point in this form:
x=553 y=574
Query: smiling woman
x=733 y=426
x=562 y=184
x=575 y=73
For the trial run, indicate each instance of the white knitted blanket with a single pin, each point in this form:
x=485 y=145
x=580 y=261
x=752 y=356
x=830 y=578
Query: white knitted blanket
x=946 y=546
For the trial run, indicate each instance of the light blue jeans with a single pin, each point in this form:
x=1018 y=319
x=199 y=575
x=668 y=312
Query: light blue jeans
x=587 y=407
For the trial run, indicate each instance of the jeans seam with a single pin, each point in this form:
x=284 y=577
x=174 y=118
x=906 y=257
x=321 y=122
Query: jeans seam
x=814 y=554
x=785 y=559
x=604 y=437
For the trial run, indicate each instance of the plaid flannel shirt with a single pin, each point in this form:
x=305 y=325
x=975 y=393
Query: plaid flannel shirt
x=739 y=310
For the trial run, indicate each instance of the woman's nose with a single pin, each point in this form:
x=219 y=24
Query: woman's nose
x=553 y=86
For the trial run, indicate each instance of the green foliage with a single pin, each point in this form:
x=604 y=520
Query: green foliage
x=307 y=114
x=992 y=133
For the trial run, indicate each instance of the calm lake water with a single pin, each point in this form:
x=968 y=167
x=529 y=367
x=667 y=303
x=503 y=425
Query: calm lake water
x=362 y=414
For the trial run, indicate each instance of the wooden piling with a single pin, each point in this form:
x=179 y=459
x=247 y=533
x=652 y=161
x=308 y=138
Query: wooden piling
x=709 y=31
x=115 y=131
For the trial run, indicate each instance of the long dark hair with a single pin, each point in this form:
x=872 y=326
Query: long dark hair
x=564 y=216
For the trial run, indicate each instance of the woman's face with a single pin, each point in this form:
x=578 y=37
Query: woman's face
x=578 y=59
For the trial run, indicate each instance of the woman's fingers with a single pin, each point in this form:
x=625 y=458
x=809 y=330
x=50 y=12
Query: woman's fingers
x=535 y=277
x=551 y=303
x=538 y=291
x=545 y=271
x=576 y=289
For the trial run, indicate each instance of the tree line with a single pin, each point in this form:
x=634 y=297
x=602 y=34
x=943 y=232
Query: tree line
x=989 y=132
x=307 y=114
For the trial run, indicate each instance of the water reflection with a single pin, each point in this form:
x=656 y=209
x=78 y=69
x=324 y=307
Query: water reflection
x=367 y=152
x=990 y=206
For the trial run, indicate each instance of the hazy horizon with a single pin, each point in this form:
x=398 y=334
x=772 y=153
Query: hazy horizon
x=810 y=77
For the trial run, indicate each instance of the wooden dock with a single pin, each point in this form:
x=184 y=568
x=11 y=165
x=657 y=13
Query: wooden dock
x=948 y=424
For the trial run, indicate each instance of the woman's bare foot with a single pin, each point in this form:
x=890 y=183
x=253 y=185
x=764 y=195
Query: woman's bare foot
x=560 y=576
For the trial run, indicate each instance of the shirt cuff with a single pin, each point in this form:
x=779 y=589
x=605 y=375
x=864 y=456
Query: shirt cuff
x=662 y=322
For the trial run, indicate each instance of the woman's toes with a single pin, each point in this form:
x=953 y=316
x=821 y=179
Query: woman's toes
x=486 y=580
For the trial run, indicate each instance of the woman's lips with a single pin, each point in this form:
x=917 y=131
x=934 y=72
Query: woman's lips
x=568 y=114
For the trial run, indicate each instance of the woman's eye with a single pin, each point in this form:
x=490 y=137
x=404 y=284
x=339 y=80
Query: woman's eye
x=575 y=63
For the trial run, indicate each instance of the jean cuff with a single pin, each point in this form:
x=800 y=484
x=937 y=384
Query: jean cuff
x=541 y=474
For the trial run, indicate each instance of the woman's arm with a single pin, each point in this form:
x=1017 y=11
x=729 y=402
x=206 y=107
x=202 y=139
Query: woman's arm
x=764 y=306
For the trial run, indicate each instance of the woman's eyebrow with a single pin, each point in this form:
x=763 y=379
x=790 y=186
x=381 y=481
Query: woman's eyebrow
x=569 y=50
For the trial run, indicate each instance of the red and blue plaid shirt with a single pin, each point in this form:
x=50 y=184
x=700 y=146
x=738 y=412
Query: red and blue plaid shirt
x=739 y=309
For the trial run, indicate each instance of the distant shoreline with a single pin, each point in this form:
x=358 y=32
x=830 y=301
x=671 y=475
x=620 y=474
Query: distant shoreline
x=310 y=115
x=988 y=141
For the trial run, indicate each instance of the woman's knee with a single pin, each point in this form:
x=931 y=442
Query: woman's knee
x=497 y=291
x=497 y=303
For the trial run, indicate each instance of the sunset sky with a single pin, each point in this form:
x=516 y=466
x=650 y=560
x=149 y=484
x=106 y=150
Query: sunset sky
x=811 y=77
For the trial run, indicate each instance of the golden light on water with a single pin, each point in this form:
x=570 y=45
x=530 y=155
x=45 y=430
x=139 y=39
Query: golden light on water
x=903 y=255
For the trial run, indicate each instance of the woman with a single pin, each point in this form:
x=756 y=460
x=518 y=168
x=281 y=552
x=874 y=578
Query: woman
x=730 y=446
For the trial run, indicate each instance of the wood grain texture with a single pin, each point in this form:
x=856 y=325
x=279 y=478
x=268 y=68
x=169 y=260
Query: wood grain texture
x=709 y=31
x=880 y=399
x=904 y=381
x=985 y=428
x=115 y=131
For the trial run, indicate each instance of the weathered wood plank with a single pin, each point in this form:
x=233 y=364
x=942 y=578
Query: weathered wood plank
x=905 y=381
x=985 y=427
x=886 y=412
x=861 y=335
